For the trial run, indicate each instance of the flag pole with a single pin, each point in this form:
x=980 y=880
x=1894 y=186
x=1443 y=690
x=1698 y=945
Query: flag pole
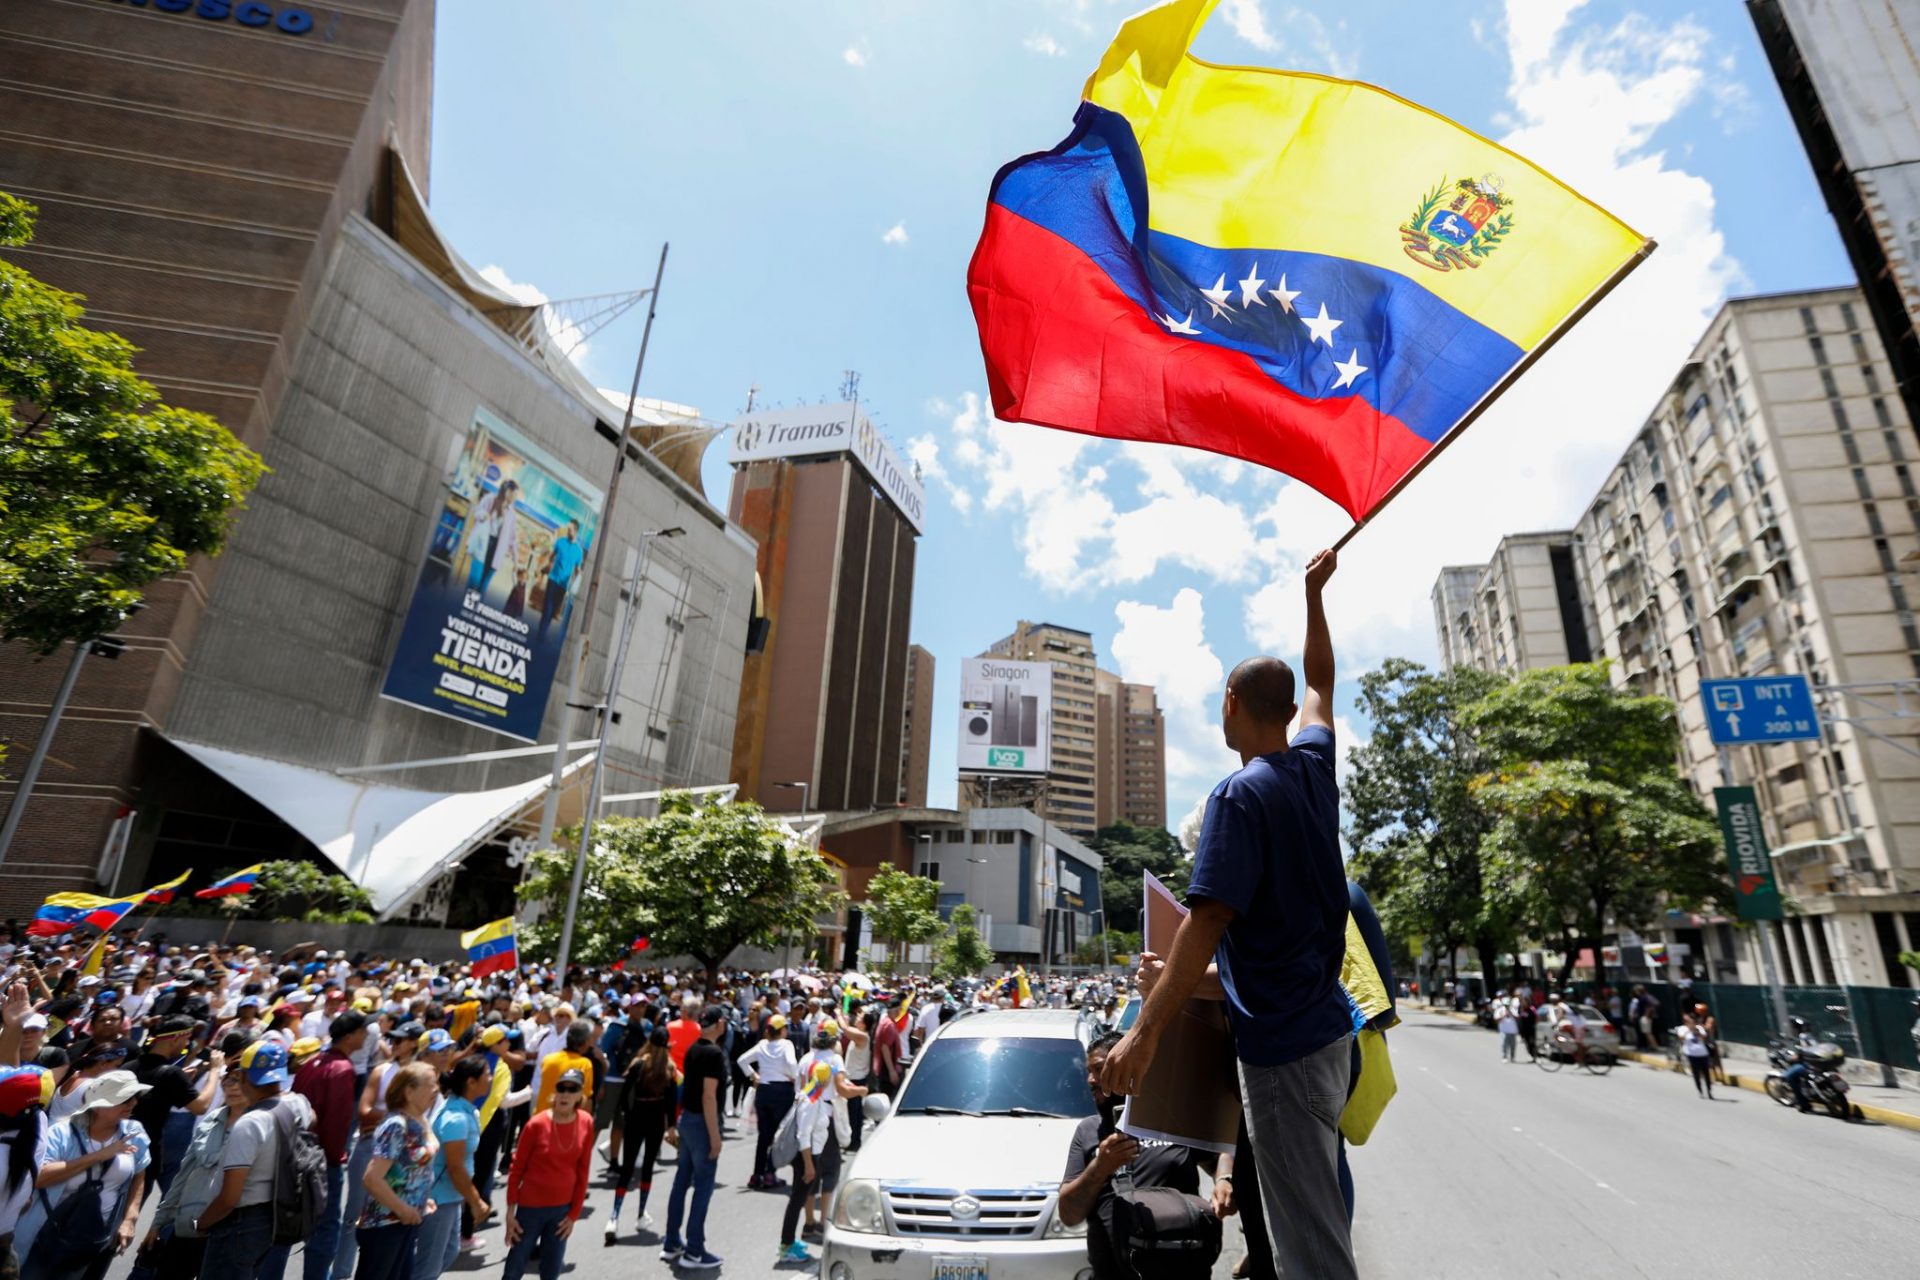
x=1500 y=388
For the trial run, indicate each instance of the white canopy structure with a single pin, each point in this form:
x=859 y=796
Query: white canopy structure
x=392 y=841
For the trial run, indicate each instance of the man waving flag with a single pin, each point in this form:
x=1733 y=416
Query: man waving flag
x=1307 y=273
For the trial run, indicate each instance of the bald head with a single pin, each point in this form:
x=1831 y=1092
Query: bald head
x=1263 y=687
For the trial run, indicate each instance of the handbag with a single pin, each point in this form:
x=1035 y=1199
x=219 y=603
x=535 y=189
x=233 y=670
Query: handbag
x=77 y=1230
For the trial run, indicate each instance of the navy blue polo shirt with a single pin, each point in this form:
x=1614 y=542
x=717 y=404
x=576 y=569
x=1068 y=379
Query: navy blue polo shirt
x=1270 y=849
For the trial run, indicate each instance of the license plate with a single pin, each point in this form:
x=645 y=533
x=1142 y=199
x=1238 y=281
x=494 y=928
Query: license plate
x=973 y=1268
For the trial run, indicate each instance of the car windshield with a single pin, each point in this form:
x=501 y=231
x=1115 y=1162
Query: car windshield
x=988 y=1074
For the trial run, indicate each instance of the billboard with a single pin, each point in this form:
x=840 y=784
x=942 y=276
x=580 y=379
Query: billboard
x=1756 y=896
x=506 y=561
x=1006 y=710
x=833 y=428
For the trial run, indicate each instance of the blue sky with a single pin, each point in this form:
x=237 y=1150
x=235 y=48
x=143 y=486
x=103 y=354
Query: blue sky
x=821 y=172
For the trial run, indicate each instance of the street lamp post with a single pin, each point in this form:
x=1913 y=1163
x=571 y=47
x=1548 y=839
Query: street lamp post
x=806 y=789
x=635 y=586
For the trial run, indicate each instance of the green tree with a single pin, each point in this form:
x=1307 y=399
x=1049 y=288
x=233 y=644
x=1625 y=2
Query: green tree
x=1593 y=827
x=1126 y=852
x=1414 y=822
x=964 y=952
x=698 y=880
x=103 y=489
x=904 y=909
x=1106 y=946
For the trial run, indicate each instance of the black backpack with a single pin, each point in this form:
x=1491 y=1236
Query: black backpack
x=1166 y=1233
x=299 y=1179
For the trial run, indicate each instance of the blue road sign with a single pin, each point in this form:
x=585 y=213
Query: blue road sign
x=1760 y=709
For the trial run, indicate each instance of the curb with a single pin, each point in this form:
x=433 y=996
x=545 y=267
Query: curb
x=1661 y=1062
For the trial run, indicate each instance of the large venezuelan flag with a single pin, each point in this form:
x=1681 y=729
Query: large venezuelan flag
x=491 y=949
x=1310 y=274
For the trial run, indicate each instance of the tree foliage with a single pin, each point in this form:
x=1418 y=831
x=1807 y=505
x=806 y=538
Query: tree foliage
x=1127 y=851
x=904 y=909
x=698 y=880
x=1414 y=822
x=103 y=489
x=963 y=952
x=1592 y=826
x=1108 y=945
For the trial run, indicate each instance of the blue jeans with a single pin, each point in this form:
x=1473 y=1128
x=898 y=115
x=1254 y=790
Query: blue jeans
x=386 y=1253
x=176 y=1135
x=695 y=1168
x=358 y=1157
x=322 y=1245
x=439 y=1242
x=241 y=1247
x=1796 y=1076
x=537 y=1228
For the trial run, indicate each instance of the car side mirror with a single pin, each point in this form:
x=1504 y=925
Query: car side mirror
x=877 y=1107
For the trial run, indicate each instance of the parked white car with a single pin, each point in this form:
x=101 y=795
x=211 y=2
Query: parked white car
x=960 y=1180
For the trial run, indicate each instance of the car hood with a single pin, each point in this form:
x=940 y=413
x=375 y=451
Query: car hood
x=966 y=1152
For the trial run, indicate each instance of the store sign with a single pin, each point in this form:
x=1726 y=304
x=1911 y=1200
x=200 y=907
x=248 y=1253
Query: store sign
x=507 y=560
x=1005 y=712
x=248 y=13
x=1756 y=896
x=833 y=428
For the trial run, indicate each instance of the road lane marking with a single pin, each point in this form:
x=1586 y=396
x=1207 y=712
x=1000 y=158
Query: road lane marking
x=1442 y=1080
x=1575 y=1167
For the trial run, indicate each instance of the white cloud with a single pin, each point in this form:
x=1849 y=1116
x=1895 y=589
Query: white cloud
x=1249 y=21
x=1168 y=649
x=856 y=54
x=925 y=452
x=1310 y=42
x=895 y=234
x=1043 y=44
x=566 y=336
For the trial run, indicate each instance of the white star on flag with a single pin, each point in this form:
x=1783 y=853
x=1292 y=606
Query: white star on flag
x=1217 y=296
x=1250 y=288
x=1349 y=370
x=1284 y=296
x=1320 y=328
x=1180 y=326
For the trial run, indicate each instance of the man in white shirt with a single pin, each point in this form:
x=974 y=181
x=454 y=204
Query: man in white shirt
x=929 y=1019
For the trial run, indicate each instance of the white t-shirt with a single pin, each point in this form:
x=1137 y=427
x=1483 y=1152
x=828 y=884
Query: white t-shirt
x=1508 y=1015
x=928 y=1021
x=1693 y=1042
x=13 y=1205
x=772 y=1060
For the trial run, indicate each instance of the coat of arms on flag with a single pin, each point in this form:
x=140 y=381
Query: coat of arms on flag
x=1458 y=225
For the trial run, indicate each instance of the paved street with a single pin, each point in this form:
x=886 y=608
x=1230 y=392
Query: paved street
x=1626 y=1175
x=1629 y=1174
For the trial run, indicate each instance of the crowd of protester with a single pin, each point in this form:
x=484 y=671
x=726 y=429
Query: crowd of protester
x=422 y=1104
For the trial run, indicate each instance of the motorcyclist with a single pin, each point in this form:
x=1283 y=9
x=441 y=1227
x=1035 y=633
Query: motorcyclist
x=1798 y=1072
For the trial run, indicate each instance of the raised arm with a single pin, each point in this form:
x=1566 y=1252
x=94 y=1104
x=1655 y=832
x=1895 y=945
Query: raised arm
x=1316 y=662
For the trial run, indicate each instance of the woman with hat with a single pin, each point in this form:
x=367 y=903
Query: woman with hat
x=92 y=1168
x=548 y=1182
x=88 y=1067
x=773 y=1068
x=24 y=1094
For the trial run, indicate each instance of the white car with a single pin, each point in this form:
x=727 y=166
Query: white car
x=961 y=1179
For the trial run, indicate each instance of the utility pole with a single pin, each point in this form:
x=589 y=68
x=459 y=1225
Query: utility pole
x=550 y=805
x=31 y=774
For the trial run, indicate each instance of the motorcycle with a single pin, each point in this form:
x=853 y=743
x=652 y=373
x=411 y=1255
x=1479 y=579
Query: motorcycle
x=1824 y=1083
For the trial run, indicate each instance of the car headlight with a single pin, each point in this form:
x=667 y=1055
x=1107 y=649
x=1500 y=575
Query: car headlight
x=860 y=1207
x=1058 y=1230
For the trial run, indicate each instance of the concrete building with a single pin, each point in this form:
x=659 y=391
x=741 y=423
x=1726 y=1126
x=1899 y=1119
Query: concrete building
x=1520 y=610
x=836 y=513
x=1765 y=521
x=1067 y=797
x=1851 y=81
x=1036 y=885
x=1130 y=737
x=916 y=734
x=275 y=262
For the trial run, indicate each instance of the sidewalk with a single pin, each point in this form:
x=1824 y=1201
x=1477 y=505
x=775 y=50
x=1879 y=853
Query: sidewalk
x=1882 y=1104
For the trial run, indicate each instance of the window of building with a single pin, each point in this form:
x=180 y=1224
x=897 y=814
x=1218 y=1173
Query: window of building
x=1003 y=837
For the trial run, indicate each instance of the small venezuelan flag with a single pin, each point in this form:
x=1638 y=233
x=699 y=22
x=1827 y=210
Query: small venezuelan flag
x=241 y=881
x=490 y=948
x=1307 y=273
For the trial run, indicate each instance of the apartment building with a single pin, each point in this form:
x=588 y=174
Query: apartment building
x=1765 y=521
x=1130 y=737
x=1067 y=798
x=916 y=733
x=1521 y=609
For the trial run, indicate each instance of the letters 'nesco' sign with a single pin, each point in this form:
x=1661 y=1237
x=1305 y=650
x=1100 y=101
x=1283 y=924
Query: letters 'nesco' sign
x=1756 y=896
x=248 y=13
x=1760 y=709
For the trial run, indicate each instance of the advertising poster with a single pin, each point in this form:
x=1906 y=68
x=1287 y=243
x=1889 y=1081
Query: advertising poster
x=1006 y=709
x=490 y=611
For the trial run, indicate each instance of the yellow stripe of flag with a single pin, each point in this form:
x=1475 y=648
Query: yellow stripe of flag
x=487 y=933
x=1254 y=158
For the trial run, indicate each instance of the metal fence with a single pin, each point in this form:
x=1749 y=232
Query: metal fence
x=1873 y=1024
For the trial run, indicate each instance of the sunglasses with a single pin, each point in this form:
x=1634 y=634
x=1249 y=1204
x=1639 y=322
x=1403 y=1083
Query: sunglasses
x=567 y=1088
